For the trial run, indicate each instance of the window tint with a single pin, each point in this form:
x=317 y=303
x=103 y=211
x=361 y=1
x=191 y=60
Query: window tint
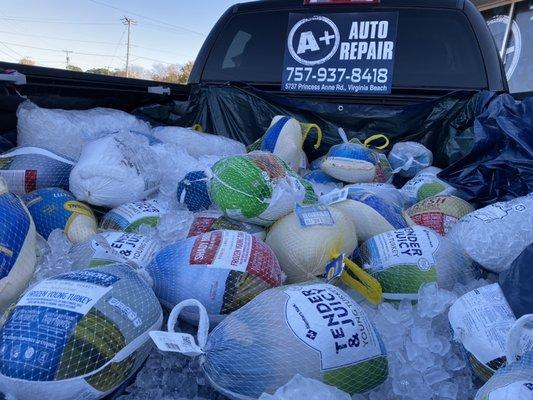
x=435 y=48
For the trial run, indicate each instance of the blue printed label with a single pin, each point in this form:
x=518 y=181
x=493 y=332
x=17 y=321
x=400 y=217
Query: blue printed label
x=272 y=134
x=32 y=341
x=313 y=215
x=335 y=268
x=352 y=151
x=388 y=211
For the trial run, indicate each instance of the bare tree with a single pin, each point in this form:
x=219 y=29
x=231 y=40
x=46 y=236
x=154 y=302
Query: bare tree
x=172 y=72
x=27 y=61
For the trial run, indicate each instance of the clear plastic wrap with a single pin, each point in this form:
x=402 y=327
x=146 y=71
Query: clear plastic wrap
x=258 y=188
x=439 y=213
x=305 y=240
x=405 y=259
x=17 y=246
x=198 y=144
x=370 y=213
x=314 y=329
x=408 y=158
x=66 y=131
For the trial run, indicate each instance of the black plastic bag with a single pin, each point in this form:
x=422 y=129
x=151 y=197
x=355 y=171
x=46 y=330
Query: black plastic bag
x=517 y=283
x=244 y=113
x=500 y=165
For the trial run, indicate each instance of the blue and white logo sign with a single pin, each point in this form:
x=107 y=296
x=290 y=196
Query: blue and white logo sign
x=313 y=41
x=340 y=53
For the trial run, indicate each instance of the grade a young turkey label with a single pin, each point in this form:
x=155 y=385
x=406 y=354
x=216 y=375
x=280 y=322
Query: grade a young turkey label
x=325 y=319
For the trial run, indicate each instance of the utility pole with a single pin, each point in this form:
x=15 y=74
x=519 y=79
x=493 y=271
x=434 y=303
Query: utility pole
x=67 y=55
x=128 y=21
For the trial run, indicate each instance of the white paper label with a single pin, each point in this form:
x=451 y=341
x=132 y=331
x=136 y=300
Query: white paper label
x=176 y=342
x=222 y=249
x=134 y=247
x=519 y=390
x=409 y=246
x=68 y=295
x=481 y=320
x=335 y=196
x=331 y=323
x=139 y=209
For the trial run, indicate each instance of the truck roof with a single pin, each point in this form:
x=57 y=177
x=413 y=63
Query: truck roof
x=267 y=4
x=450 y=58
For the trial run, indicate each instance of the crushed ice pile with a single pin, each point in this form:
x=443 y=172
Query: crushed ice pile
x=424 y=362
x=170 y=376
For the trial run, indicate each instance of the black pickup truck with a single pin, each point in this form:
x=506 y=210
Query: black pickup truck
x=442 y=46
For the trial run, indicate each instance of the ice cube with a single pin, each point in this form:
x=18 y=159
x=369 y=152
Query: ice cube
x=435 y=375
x=419 y=336
x=54 y=258
x=448 y=390
x=390 y=313
x=300 y=387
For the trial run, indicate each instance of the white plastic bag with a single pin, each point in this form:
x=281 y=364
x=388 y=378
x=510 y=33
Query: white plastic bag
x=426 y=184
x=409 y=158
x=495 y=235
x=198 y=144
x=115 y=170
x=65 y=131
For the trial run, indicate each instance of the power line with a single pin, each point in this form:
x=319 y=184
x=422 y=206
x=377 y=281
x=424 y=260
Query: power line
x=9 y=55
x=60 y=50
x=116 y=49
x=154 y=59
x=93 y=41
x=149 y=18
x=51 y=21
x=57 y=38
x=11 y=50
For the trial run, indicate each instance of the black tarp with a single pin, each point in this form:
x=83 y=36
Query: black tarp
x=244 y=113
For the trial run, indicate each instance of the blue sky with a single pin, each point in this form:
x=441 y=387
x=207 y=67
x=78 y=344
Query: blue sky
x=167 y=31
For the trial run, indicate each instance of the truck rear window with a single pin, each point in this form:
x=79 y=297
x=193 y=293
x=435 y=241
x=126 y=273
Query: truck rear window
x=436 y=48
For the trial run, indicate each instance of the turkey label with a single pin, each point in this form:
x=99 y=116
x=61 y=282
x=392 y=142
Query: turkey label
x=329 y=322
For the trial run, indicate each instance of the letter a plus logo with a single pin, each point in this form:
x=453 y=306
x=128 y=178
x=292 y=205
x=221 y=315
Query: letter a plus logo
x=314 y=40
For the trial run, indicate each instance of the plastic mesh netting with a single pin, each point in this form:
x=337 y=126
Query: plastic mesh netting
x=314 y=329
x=77 y=335
x=221 y=269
